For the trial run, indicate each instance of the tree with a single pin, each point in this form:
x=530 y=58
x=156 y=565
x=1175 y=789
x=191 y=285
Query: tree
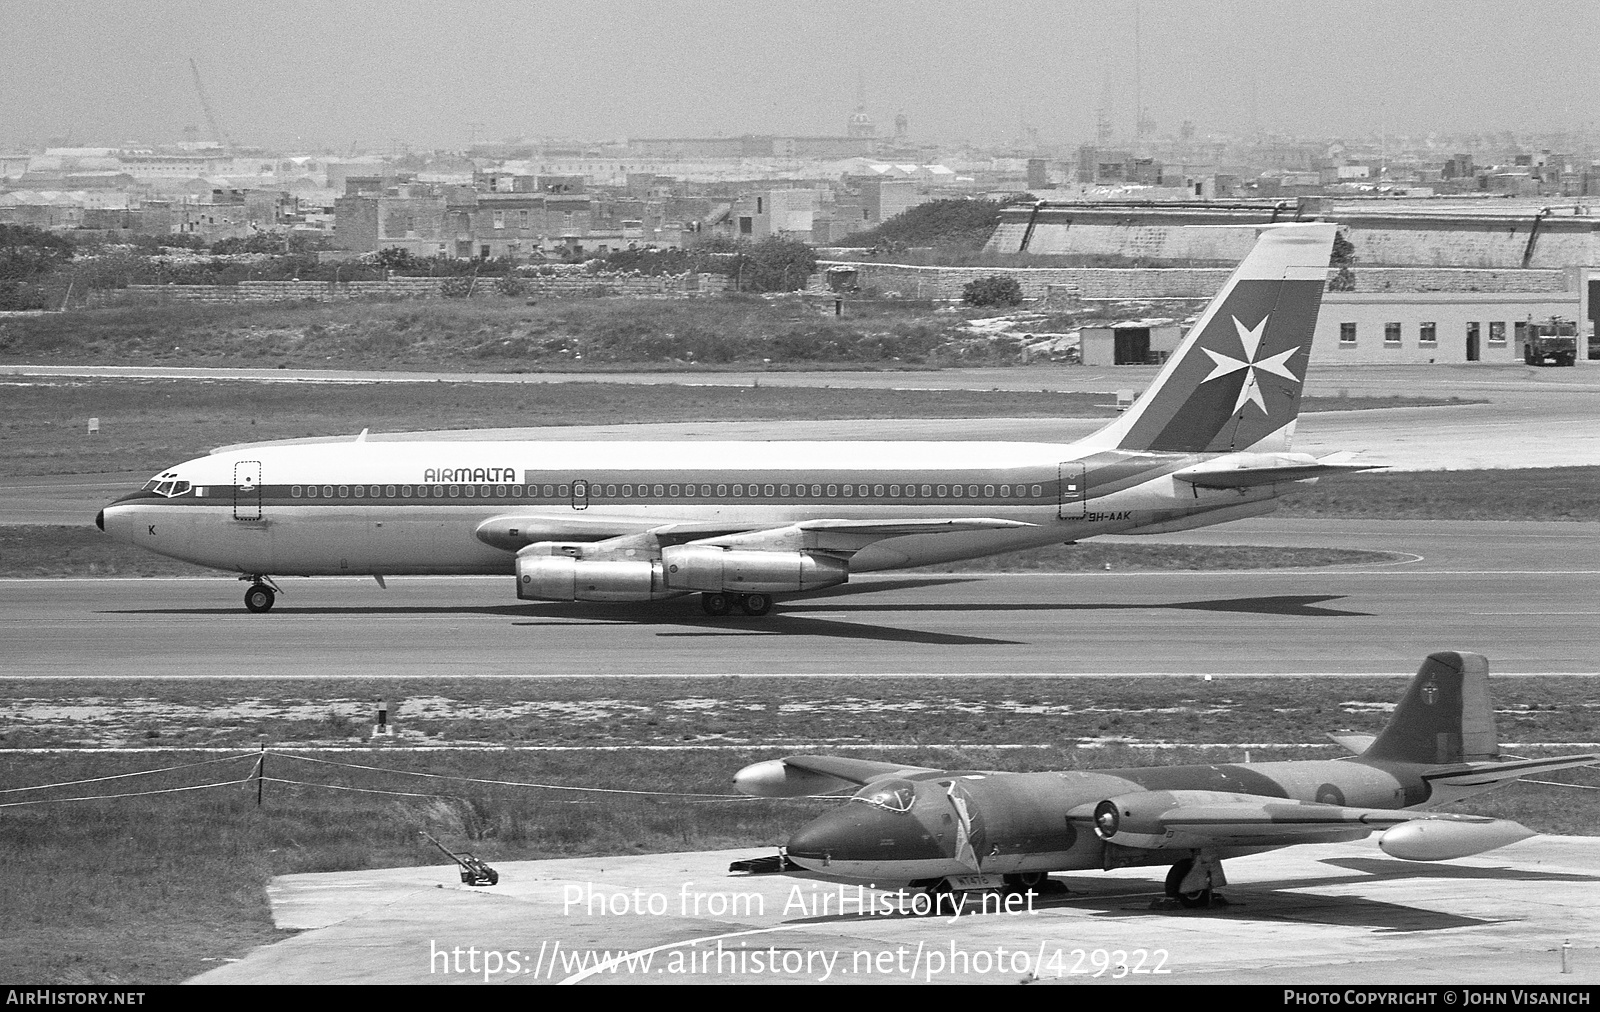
x=28 y=252
x=994 y=290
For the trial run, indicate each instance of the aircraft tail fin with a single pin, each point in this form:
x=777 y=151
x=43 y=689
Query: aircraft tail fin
x=1445 y=717
x=1235 y=380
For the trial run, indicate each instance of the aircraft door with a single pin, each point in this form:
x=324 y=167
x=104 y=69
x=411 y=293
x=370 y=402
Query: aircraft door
x=1074 y=491
x=247 y=490
x=580 y=495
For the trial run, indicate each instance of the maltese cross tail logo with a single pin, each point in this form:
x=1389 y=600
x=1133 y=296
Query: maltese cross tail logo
x=1250 y=340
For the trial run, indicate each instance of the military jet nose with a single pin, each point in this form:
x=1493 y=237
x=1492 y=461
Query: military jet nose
x=822 y=840
x=861 y=832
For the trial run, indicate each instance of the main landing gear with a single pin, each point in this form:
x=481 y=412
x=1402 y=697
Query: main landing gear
x=1193 y=898
x=717 y=605
x=261 y=594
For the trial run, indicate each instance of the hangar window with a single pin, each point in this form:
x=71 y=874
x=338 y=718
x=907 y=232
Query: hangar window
x=1391 y=333
x=1428 y=333
x=1497 y=332
x=1347 y=333
x=893 y=795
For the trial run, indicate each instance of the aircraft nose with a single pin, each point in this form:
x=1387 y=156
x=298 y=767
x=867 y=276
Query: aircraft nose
x=859 y=832
x=100 y=520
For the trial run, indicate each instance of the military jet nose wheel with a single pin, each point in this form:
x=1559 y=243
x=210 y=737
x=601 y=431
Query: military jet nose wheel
x=755 y=604
x=259 y=598
x=715 y=605
x=1192 y=901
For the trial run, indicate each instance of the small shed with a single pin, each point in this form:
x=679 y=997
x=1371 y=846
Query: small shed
x=1133 y=342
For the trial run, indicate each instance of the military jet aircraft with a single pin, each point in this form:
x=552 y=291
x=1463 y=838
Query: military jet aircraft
x=951 y=831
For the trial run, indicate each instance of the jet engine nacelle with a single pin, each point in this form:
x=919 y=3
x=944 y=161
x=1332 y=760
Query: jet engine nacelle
x=1134 y=820
x=718 y=570
x=563 y=578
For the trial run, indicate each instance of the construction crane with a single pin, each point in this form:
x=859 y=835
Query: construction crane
x=211 y=114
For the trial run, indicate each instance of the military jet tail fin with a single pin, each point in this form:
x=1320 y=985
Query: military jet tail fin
x=1446 y=716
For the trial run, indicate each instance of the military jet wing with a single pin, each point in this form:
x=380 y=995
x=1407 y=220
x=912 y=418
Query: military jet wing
x=800 y=775
x=1196 y=820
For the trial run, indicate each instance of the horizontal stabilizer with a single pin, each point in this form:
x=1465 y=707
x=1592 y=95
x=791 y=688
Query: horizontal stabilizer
x=1494 y=774
x=1248 y=470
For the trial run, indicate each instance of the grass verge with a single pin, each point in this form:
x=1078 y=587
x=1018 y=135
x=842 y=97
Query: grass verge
x=151 y=424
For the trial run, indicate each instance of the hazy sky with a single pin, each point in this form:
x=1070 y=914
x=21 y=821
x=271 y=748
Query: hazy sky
x=335 y=72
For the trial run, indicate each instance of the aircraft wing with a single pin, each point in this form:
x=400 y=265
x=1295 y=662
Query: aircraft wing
x=1192 y=820
x=845 y=537
x=802 y=775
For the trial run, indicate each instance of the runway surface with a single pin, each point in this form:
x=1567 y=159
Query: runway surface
x=1339 y=914
x=1525 y=595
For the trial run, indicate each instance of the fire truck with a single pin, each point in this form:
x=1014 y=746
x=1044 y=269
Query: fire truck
x=1550 y=342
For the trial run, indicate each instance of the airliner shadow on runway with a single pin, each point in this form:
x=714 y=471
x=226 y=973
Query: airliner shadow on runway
x=1297 y=605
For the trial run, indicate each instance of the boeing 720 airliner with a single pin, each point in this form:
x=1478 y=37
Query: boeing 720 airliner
x=738 y=522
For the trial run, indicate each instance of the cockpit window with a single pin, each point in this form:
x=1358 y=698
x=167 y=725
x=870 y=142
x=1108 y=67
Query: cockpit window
x=164 y=484
x=894 y=795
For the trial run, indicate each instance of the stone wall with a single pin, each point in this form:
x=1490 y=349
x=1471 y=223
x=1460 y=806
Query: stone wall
x=1446 y=239
x=1169 y=283
x=537 y=286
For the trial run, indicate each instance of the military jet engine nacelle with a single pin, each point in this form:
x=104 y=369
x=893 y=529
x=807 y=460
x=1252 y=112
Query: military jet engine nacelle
x=716 y=570
x=1134 y=820
x=563 y=578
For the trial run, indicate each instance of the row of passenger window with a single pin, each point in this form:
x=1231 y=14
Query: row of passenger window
x=585 y=490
